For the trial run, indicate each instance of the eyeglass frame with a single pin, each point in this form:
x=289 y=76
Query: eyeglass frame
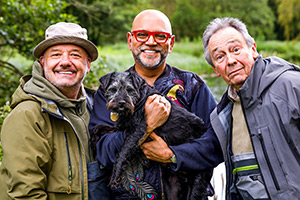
x=150 y=33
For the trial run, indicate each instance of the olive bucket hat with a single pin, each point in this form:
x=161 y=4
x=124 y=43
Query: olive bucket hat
x=66 y=33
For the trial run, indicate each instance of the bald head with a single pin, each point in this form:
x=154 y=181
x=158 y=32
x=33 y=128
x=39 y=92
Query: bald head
x=152 y=20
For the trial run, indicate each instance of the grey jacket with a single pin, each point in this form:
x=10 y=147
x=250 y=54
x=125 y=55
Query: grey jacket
x=270 y=100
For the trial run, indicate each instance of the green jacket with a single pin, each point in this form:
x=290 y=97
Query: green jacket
x=43 y=153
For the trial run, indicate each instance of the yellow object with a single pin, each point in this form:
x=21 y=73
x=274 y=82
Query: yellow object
x=114 y=116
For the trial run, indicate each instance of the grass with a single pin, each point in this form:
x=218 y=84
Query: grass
x=189 y=55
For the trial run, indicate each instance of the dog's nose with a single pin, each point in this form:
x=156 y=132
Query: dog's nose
x=121 y=103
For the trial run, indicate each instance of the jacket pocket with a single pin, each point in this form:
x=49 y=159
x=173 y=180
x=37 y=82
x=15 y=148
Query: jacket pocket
x=247 y=177
x=64 y=174
x=268 y=161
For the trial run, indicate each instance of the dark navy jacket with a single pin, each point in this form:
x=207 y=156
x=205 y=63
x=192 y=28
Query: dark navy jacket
x=188 y=90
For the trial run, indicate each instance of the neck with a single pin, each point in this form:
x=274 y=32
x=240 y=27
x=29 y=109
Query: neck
x=70 y=93
x=150 y=75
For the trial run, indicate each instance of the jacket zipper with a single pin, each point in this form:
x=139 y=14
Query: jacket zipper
x=79 y=146
x=268 y=159
x=259 y=135
x=69 y=190
x=80 y=157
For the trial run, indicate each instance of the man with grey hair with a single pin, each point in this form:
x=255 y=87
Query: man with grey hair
x=257 y=120
x=45 y=137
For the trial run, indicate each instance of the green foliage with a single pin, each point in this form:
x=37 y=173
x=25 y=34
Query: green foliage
x=286 y=50
x=107 y=21
x=4 y=111
x=7 y=78
x=191 y=17
x=98 y=69
x=22 y=26
x=289 y=18
x=257 y=16
x=23 y=22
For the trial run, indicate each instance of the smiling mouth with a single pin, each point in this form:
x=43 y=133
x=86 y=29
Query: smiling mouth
x=150 y=51
x=65 y=72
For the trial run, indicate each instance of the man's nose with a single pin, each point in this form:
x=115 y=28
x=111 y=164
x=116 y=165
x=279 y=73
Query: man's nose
x=151 y=40
x=65 y=59
x=231 y=59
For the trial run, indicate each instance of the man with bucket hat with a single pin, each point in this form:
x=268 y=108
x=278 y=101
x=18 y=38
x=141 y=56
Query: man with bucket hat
x=45 y=137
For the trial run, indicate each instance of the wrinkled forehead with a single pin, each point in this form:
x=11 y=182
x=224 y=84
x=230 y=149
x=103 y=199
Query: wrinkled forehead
x=225 y=37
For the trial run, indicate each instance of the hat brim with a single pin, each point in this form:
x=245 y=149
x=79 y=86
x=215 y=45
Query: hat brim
x=86 y=44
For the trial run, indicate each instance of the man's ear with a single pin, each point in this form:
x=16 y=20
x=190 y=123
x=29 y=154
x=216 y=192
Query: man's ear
x=172 y=43
x=88 y=65
x=129 y=40
x=254 y=51
x=42 y=59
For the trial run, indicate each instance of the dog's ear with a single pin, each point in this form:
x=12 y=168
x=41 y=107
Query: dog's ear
x=105 y=80
x=137 y=81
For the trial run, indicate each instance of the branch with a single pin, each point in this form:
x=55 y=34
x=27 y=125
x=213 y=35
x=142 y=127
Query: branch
x=10 y=67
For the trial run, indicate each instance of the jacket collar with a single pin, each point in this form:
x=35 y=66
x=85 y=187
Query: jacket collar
x=264 y=73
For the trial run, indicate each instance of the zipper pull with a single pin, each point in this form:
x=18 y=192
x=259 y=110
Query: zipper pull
x=69 y=190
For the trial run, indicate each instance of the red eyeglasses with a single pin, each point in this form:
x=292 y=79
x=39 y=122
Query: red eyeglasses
x=159 y=37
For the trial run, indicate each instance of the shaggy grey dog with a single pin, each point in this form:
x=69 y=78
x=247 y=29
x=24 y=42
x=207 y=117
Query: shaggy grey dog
x=126 y=94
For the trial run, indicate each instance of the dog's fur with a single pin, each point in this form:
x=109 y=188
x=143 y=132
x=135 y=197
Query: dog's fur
x=126 y=94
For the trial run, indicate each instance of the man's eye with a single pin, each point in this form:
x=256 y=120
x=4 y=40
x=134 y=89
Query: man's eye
x=161 y=36
x=75 y=55
x=55 y=55
x=219 y=57
x=142 y=34
x=236 y=49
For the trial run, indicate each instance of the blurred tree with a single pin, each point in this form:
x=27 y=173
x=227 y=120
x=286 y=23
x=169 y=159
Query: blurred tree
x=278 y=29
x=167 y=6
x=191 y=17
x=257 y=15
x=289 y=18
x=22 y=25
x=107 y=21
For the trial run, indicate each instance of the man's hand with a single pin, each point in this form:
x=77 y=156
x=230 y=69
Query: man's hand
x=157 y=110
x=157 y=149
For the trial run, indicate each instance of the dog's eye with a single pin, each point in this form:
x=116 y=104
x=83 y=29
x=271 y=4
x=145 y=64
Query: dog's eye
x=130 y=90
x=112 y=90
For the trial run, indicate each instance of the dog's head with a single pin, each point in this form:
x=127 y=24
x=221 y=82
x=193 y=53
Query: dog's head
x=122 y=91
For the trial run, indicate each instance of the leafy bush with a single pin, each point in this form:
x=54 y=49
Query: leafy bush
x=98 y=69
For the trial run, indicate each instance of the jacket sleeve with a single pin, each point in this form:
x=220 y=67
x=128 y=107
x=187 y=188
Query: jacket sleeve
x=204 y=152
x=109 y=144
x=26 y=154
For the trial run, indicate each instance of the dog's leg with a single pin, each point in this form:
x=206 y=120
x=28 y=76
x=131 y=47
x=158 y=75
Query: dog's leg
x=128 y=151
x=201 y=187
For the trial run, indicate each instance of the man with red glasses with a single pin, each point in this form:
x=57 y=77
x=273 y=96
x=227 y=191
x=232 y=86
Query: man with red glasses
x=151 y=41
